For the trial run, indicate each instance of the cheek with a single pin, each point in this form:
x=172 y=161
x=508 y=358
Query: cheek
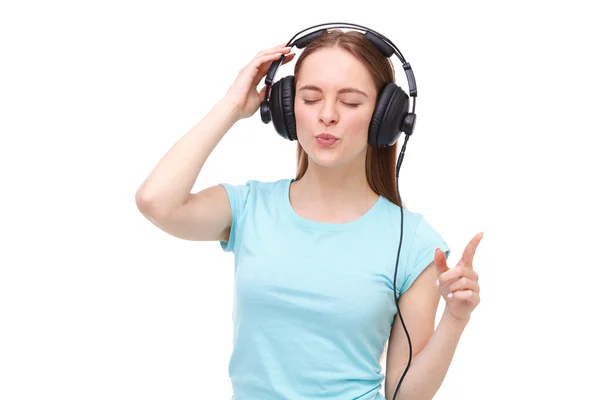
x=362 y=121
x=302 y=114
x=306 y=121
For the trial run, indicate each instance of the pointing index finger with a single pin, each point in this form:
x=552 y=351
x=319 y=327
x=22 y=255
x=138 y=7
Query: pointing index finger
x=469 y=252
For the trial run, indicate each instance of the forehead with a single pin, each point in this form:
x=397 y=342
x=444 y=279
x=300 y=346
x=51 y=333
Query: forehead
x=334 y=68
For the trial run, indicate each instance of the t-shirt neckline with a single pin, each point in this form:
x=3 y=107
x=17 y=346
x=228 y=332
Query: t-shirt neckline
x=327 y=226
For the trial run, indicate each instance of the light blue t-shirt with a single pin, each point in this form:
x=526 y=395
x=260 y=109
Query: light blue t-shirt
x=313 y=302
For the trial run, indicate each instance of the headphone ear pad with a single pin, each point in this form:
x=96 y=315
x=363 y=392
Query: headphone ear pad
x=282 y=107
x=388 y=117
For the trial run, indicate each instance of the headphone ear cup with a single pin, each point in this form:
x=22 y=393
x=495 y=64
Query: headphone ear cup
x=282 y=107
x=388 y=117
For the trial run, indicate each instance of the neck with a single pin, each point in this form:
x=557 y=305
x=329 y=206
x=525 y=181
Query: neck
x=344 y=185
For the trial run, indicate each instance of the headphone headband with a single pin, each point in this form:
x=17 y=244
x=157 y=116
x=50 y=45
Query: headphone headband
x=385 y=45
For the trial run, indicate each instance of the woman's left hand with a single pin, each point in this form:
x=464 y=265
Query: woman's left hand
x=459 y=286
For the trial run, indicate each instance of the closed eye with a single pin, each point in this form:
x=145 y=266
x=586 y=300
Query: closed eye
x=347 y=104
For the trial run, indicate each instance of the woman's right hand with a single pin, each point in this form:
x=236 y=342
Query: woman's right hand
x=243 y=93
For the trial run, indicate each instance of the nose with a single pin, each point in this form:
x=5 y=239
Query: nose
x=328 y=114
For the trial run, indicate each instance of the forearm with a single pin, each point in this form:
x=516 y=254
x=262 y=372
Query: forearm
x=169 y=184
x=428 y=369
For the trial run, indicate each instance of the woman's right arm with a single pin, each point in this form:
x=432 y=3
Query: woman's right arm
x=164 y=197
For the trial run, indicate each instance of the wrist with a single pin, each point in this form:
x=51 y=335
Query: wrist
x=228 y=109
x=459 y=323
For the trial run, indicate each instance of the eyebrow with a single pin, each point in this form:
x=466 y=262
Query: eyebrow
x=343 y=90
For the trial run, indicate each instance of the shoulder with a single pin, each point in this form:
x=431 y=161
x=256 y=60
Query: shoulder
x=254 y=191
x=419 y=231
x=393 y=215
x=251 y=202
x=256 y=187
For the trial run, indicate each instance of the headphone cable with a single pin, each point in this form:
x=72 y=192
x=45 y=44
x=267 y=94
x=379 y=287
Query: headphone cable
x=399 y=162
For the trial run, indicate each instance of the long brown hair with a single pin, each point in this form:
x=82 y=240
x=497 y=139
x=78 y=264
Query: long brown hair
x=380 y=162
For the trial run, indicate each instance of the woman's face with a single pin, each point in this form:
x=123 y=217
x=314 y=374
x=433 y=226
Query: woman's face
x=335 y=95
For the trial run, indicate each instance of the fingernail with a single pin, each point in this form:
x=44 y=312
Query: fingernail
x=437 y=283
x=449 y=295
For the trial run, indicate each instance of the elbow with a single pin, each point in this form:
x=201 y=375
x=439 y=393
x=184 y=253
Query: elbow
x=149 y=205
x=144 y=202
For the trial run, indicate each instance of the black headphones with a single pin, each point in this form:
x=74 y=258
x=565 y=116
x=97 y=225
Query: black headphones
x=390 y=117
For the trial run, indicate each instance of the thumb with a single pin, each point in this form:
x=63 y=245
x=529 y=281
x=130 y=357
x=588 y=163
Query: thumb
x=440 y=261
x=261 y=93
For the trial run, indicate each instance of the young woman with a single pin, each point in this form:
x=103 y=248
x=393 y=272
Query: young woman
x=315 y=254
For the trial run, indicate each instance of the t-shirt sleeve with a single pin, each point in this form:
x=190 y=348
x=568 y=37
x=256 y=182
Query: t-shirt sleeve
x=422 y=251
x=238 y=198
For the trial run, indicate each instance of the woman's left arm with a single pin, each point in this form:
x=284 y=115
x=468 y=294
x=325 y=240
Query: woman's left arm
x=432 y=350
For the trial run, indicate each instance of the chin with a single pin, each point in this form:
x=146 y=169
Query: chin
x=326 y=160
x=329 y=157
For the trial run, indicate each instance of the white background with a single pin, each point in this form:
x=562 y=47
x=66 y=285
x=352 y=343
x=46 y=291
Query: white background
x=97 y=303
